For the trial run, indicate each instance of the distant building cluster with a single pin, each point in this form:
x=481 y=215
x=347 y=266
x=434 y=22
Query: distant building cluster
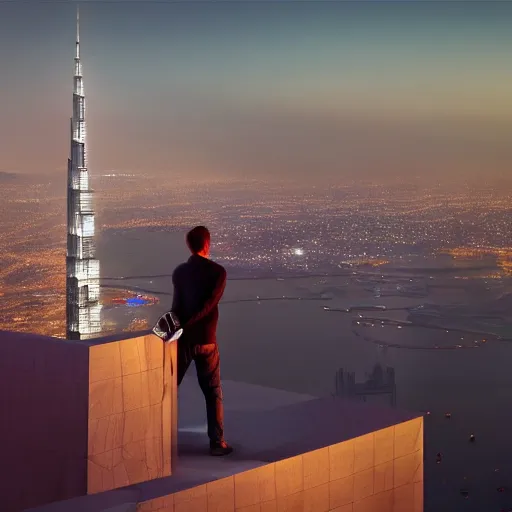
x=262 y=227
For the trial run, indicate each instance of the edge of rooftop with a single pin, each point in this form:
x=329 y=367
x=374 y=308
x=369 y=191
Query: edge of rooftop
x=100 y=340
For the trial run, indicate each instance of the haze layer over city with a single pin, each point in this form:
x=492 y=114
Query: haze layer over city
x=352 y=161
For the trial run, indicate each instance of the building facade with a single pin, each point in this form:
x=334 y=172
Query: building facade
x=83 y=308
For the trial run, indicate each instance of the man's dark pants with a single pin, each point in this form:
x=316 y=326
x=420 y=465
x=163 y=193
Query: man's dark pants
x=207 y=360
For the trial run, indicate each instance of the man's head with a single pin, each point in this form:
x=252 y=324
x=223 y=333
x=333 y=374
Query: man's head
x=198 y=241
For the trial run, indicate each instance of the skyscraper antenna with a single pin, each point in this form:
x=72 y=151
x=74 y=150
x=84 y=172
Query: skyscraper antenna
x=77 y=23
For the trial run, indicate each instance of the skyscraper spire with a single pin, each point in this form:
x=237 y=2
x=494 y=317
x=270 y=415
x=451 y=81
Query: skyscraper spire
x=77 y=54
x=82 y=268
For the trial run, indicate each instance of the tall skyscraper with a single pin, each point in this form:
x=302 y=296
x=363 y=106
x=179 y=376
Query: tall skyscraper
x=82 y=268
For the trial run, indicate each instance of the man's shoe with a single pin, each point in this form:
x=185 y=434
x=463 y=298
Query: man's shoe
x=219 y=449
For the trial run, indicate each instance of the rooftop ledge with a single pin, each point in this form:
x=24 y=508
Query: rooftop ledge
x=94 y=426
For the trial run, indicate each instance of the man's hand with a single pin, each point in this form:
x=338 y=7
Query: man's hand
x=213 y=301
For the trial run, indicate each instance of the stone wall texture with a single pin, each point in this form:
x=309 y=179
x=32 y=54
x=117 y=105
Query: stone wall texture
x=82 y=417
x=378 y=472
x=130 y=395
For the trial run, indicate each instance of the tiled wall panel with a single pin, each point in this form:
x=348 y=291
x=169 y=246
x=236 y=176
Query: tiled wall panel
x=377 y=472
x=130 y=403
x=79 y=417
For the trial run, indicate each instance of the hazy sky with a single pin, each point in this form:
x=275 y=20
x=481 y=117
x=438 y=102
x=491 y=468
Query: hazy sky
x=322 y=89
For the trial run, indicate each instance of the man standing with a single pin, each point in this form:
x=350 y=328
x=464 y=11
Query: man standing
x=198 y=287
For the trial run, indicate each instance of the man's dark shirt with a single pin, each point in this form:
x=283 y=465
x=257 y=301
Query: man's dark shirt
x=198 y=287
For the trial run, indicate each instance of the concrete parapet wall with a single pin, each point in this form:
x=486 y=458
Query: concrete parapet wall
x=381 y=471
x=81 y=417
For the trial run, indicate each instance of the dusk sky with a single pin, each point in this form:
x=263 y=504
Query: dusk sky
x=326 y=90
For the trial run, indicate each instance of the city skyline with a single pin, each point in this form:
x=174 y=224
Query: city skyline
x=330 y=91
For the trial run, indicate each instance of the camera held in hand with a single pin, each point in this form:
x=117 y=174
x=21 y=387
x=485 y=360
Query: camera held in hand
x=168 y=327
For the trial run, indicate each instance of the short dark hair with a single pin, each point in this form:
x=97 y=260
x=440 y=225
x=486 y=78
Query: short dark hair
x=198 y=238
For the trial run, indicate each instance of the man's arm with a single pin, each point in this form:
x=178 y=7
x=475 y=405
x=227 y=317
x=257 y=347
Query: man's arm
x=175 y=294
x=212 y=301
